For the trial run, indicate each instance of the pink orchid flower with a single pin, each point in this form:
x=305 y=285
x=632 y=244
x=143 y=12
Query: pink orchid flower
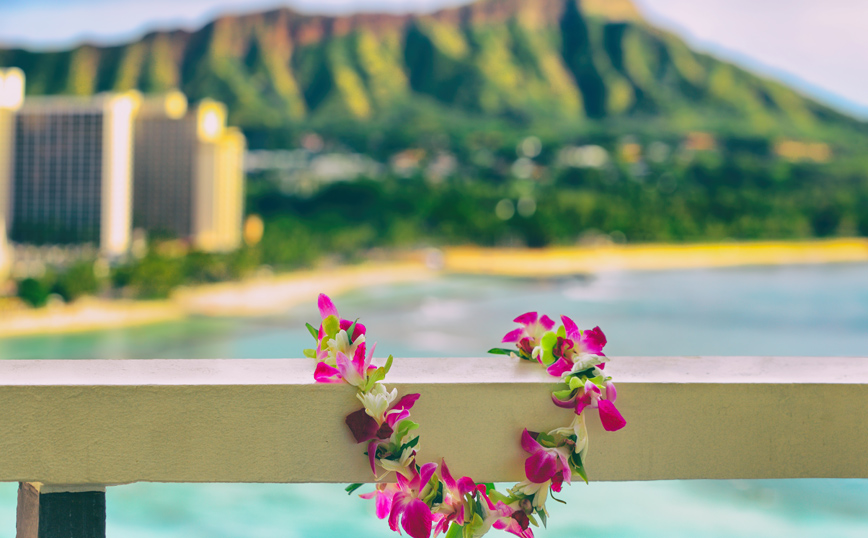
x=384 y=494
x=590 y=341
x=575 y=343
x=545 y=464
x=364 y=427
x=592 y=397
x=414 y=514
x=528 y=336
x=453 y=506
x=327 y=308
x=505 y=518
x=355 y=371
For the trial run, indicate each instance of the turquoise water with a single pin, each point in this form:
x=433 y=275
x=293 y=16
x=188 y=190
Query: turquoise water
x=819 y=311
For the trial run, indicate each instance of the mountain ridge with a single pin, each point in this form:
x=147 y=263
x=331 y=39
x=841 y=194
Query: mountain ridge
x=570 y=61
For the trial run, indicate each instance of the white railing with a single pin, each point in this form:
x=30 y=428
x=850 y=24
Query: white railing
x=81 y=425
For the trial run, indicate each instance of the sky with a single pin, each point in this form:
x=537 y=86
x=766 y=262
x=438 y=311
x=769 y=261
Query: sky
x=817 y=46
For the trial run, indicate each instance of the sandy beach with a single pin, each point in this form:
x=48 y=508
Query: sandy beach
x=255 y=297
x=553 y=262
x=274 y=294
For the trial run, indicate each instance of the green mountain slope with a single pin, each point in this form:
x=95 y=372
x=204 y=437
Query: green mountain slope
x=580 y=64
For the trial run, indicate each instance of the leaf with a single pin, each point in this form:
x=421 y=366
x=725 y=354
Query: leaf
x=546 y=440
x=577 y=466
x=378 y=375
x=404 y=427
x=410 y=444
x=542 y=515
x=351 y=330
x=352 y=487
x=331 y=325
x=313 y=331
x=310 y=353
x=454 y=531
x=495 y=496
x=435 y=496
x=563 y=395
x=583 y=474
x=500 y=351
x=388 y=365
x=548 y=342
x=475 y=524
x=532 y=520
x=598 y=380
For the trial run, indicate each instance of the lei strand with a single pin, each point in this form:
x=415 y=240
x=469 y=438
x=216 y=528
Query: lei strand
x=426 y=498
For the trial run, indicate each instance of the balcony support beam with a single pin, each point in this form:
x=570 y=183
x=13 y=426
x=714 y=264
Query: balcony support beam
x=60 y=512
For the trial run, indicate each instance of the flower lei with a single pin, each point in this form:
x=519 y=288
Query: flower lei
x=426 y=498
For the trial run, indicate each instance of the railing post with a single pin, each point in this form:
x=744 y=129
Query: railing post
x=60 y=511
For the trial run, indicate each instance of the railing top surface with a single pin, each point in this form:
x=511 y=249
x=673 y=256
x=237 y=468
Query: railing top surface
x=412 y=371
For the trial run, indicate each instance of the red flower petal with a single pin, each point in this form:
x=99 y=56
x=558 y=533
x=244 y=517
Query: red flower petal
x=425 y=474
x=593 y=341
x=326 y=306
x=417 y=519
x=559 y=367
x=326 y=374
x=405 y=403
x=571 y=328
x=527 y=318
x=373 y=446
x=529 y=443
x=610 y=417
x=513 y=336
x=540 y=466
x=447 y=476
x=363 y=427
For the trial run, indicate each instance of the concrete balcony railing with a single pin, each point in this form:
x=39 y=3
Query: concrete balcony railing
x=73 y=427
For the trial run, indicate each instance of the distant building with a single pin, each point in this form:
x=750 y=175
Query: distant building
x=87 y=170
x=188 y=173
x=11 y=98
x=72 y=171
x=798 y=151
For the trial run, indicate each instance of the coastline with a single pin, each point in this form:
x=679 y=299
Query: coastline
x=566 y=261
x=274 y=294
x=254 y=297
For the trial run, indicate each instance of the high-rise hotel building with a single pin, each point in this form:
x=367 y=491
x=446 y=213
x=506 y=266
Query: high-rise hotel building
x=88 y=170
x=11 y=99
x=188 y=172
x=71 y=178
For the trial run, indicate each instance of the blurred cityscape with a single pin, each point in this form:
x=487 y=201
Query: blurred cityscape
x=510 y=123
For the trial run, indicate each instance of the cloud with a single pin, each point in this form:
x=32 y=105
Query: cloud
x=816 y=45
x=53 y=24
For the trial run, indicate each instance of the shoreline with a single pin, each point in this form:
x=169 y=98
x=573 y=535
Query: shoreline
x=567 y=261
x=274 y=294
x=255 y=297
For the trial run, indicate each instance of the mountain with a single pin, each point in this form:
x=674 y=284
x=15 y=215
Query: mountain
x=576 y=63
